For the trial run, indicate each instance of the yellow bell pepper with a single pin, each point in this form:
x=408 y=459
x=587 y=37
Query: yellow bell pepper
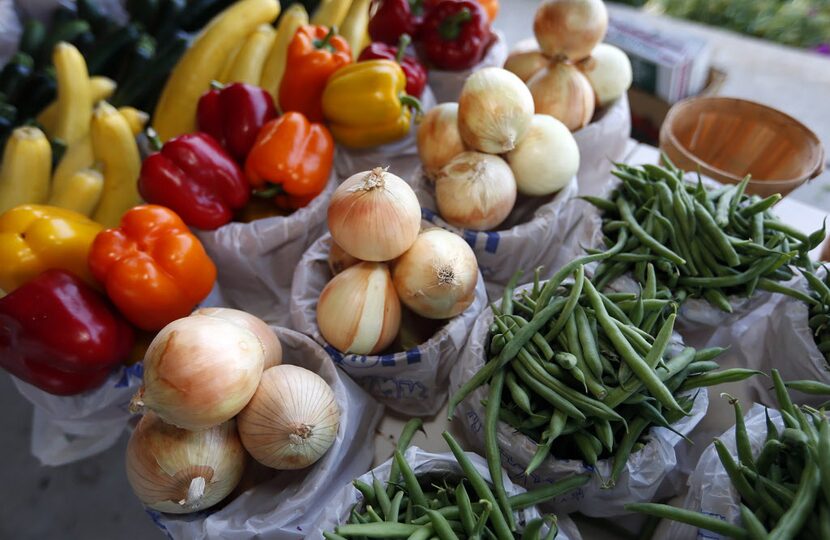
x=366 y=104
x=34 y=238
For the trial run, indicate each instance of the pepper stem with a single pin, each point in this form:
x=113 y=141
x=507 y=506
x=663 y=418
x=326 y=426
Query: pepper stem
x=325 y=43
x=450 y=28
x=269 y=192
x=155 y=141
x=216 y=85
x=403 y=43
x=416 y=7
x=412 y=102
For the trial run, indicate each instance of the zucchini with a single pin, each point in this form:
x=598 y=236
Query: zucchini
x=109 y=50
x=68 y=31
x=144 y=12
x=89 y=11
x=134 y=68
x=200 y=12
x=40 y=90
x=34 y=35
x=169 y=17
x=144 y=92
x=14 y=75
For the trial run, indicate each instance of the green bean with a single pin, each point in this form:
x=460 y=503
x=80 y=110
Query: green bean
x=440 y=525
x=796 y=516
x=507 y=298
x=702 y=367
x=720 y=377
x=519 y=395
x=332 y=536
x=753 y=526
x=491 y=446
x=774 y=488
x=482 y=520
x=604 y=433
x=465 y=508
x=591 y=383
x=724 y=202
x=635 y=429
x=775 y=225
x=689 y=517
x=548 y=394
x=769 y=453
x=377 y=530
x=566 y=360
x=583 y=443
x=404 y=441
x=738 y=480
x=533 y=530
x=570 y=305
x=738 y=198
x=773 y=287
x=823 y=458
x=548 y=492
x=373 y=516
x=764 y=266
x=590 y=351
x=424 y=533
x=382 y=498
x=818 y=285
x=815 y=388
x=703 y=355
x=411 y=481
x=395 y=507
x=784 y=402
x=366 y=490
x=601 y=203
x=643 y=236
x=718 y=299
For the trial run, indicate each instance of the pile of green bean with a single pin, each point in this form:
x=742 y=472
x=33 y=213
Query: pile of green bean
x=704 y=244
x=413 y=507
x=819 y=307
x=588 y=370
x=785 y=490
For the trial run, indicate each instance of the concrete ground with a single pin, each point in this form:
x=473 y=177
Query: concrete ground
x=91 y=499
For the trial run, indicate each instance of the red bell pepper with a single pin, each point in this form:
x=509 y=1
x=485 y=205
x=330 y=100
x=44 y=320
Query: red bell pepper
x=59 y=334
x=454 y=35
x=394 y=18
x=234 y=114
x=416 y=73
x=196 y=178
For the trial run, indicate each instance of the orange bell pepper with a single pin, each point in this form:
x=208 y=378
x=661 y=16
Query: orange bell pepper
x=491 y=7
x=313 y=55
x=291 y=159
x=154 y=270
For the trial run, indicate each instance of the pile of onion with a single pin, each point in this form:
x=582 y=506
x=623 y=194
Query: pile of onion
x=186 y=454
x=379 y=260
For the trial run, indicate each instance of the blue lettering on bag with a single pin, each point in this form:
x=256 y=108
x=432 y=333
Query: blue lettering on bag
x=492 y=243
x=413 y=356
x=470 y=237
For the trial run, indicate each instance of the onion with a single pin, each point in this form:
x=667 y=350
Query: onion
x=475 y=190
x=358 y=310
x=437 y=277
x=526 y=59
x=270 y=341
x=608 y=69
x=546 y=158
x=570 y=28
x=374 y=215
x=438 y=138
x=339 y=260
x=179 y=471
x=292 y=419
x=494 y=109
x=200 y=371
x=563 y=92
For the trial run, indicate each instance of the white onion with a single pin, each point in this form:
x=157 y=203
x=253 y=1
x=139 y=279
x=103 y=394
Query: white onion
x=526 y=59
x=476 y=191
x=494 y=109
x=436 y=278
x=358 y=310
x=563 y=92
x=270 y=342
x=339 y=260
x=608 y=69
x=438 y=138
x=546 y=158
x=374 y=215
x=179 y=471
x=570 y=28
x=292 y=419
x=200 y=371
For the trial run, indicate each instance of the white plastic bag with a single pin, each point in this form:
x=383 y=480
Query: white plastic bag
x=285 y=506
x=43 y=9
x=70 y=428
x=10 y=30
x=256 y=260
x=413 y=382
x=602 y=143
x=538 y=232
x=425 y=463
x=446 y=85
x=644 y=472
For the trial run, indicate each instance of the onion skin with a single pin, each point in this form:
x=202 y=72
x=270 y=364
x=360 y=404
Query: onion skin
x=200 y=372
x=475 y=191
x=292 y=420
x=608 y=69
x=163 y=461
x=339 y=260
x=546 y=158
x=562 y=91
x=374 y=216
x=270 y=342
x=359 y=311
x=437 y=277
x=570 y=28
x=526 y=64
x=494 y=109
x=438 y=138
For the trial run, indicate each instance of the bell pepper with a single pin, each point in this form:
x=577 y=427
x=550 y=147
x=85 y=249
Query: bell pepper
x=154 y=270
x=197 y=179
x=314 y=54
x=366 y=105
x=59 y=334
x=394 y=18
x=291 y=159
x=234 y=114
x=34 y=238
x=491 y=7
x=454 y=35
x=416 y=73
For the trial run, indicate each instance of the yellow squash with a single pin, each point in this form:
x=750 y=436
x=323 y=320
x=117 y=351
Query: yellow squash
x=26 y=168
x=355 y=28
x=175 y=113
x=80 y=193
x=100 y=88
x=248 y=64
x=274 y=68
x=331 y=12
x=74 y=93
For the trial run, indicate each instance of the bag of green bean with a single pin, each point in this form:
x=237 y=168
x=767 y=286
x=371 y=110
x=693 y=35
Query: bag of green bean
x=425 y=464
x=412 y=379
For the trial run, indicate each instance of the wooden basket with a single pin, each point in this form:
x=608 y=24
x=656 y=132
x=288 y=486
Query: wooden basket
x=727 y=139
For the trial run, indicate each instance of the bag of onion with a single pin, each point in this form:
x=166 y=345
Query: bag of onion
x=348 y=290
x=514 y=210
x=304 y=425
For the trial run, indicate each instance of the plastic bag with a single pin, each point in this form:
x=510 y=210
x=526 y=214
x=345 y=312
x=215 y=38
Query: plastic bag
x=602 y=143
x=710 y=490
x=400 y=156
x=538 y=232
x=256 y=260
x=425 y=463
x=446 y=85
x=412 y=382
x=10 y=30
x=285 y=506
x=643 y=475
x=70 y=428
x=42 y=9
